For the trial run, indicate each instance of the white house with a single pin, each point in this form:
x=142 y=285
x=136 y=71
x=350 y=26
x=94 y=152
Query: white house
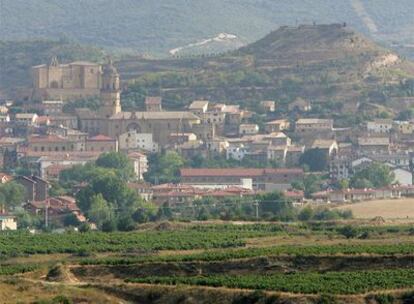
x=236 y=151
x=140 y=164
x=4 y=118
x=8 y=222
x=402 y=176
x=133 y=140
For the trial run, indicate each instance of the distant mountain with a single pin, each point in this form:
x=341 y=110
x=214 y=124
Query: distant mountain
x=158 y=26
x=329 y=64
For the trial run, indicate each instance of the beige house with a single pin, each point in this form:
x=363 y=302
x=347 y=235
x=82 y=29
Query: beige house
x=51 y=107
x=277 y=125
x=248 y=129
x=403 y=127
x=380 y=125
x=27 y=118
x=101 y=143
x=374 y=145
x=153 y=104
x=300 y=104
x=199 y=107
x=55 y=143
x=307 y=125
x=268 y=105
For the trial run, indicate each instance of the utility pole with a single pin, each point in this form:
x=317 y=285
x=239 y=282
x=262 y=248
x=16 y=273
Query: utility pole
x=256 y=204
x=46 y=214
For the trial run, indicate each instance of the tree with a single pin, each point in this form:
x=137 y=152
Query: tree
x=109 y=225
x=203 y=214
x=165 y=168
x=316 y=159
x=376 y=175
x=118 y=162
x=125 y=223
x=306 y=214
x=275 y=203
x=348 y=231
x=343 y=184
x=12 y=193
x=164 y=212
x=100 y=211
x=71 y=220
x=311 y=184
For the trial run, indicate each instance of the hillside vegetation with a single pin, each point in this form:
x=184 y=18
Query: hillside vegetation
x=329 y=64
x=157 y=26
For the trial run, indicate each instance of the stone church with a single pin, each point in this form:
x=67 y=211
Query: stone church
x=111 y=121
x=70 y=81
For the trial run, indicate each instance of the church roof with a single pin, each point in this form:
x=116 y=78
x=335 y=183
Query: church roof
x=155 y=115
x=83 y=63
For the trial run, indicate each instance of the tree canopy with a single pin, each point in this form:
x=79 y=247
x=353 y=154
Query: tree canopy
x=165 y=168
x=11 y=194
x=376 y=175
x=315 y=159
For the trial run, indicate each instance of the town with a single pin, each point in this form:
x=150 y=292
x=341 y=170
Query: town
x=209 y=150
x=204 y=152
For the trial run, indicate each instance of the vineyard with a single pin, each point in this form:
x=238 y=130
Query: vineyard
x=307 y=283
x=221 y=236
x=315 y=262
x=232 y=254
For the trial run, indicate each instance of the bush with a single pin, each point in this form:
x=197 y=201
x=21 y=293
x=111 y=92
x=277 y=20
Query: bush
x=126 y=223
x=384 y=299
x=61 y=300
x=306 y=214
x=109 y=226
x=348 y=231
x=84 y=227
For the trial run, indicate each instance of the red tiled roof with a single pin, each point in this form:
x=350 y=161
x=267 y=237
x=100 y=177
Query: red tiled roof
x=45 y=139
x=294 y=194
x=43 y=120
x=152 y=100
x=58 y=155
x=237 y=171
x=136 y=155
x=101 y=137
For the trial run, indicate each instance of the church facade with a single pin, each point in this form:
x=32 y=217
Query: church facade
x=111 y=121
x=71 y=81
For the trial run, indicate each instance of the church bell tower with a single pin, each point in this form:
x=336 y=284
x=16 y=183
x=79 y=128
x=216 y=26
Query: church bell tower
x=110 y=91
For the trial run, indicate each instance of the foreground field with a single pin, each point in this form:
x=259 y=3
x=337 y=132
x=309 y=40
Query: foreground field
x=315 y=263
x=388 y=209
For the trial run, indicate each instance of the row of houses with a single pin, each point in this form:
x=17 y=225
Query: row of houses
x=356 y=195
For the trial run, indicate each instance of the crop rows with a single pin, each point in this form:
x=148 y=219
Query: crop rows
x=231 y=254
x=181 y=239
x=307 y=283
x=14 y=269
